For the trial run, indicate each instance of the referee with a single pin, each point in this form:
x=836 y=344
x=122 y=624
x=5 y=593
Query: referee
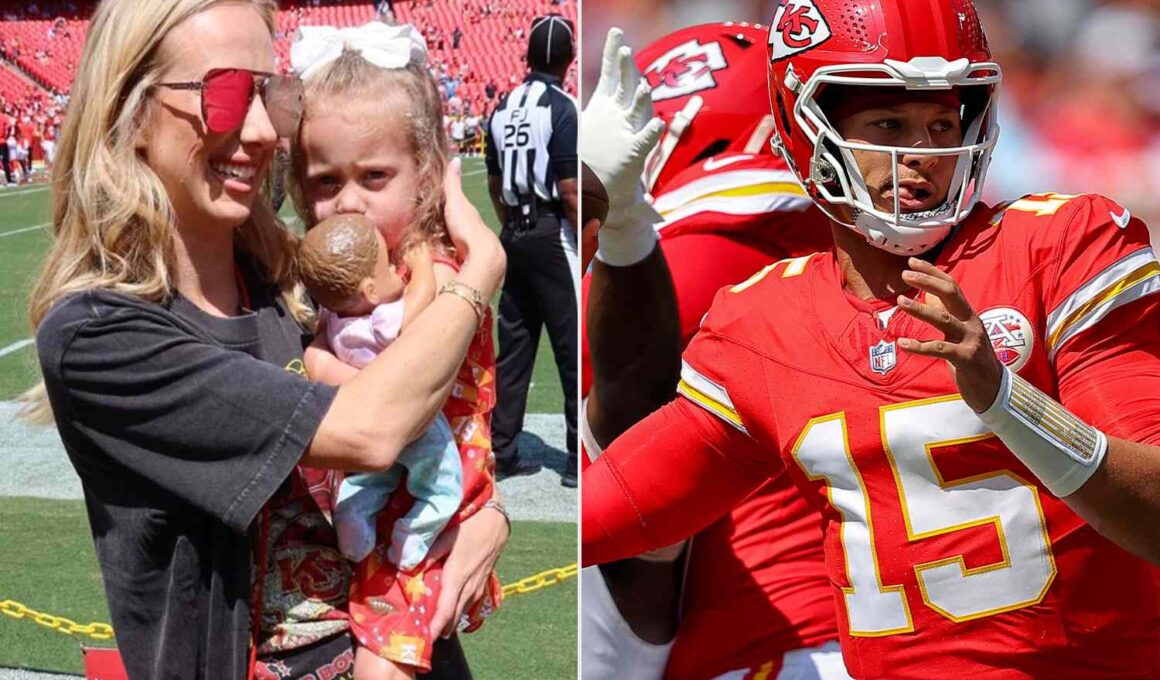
x=532 y=169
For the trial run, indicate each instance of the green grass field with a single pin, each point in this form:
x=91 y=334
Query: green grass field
x=46 y=553
x=49 y=566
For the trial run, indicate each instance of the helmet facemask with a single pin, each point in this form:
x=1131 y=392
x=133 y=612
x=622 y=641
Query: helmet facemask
x=837 y=180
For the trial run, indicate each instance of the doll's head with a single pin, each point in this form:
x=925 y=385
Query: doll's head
x=346 y=266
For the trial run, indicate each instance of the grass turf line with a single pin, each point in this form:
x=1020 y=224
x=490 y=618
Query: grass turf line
x=49 y=566
x=22 y=254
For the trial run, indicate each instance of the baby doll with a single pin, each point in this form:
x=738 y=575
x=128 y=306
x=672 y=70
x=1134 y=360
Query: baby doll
x=345 y=263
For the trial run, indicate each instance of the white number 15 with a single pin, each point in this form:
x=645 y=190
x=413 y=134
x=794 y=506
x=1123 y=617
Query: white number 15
x=930 y=507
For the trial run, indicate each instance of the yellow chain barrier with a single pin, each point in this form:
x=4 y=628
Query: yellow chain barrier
x=97 y=631
x=103 y=631
x=539 y=581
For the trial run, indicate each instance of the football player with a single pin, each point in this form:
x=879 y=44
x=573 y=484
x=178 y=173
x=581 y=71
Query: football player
x=728 y=207
x=955 y=386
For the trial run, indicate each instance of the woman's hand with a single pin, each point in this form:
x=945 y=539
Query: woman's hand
x=484 y=261
x=966 y=347
x=474 y=548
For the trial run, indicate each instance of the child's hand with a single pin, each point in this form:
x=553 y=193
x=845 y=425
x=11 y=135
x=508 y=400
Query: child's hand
x=418 y=256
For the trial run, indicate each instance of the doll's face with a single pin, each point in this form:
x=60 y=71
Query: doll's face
x=385 y=285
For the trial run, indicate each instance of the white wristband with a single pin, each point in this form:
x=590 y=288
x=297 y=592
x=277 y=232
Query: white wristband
x=629 y=237
x=1059 y=448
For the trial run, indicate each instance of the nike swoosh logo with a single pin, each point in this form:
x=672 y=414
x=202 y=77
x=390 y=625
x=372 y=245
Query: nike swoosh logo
x=1122 y=220
x=714 y=163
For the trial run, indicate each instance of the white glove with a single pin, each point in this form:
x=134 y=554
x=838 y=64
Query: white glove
x=618 y=130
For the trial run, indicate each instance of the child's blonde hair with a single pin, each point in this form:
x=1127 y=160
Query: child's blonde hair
x=412 y=95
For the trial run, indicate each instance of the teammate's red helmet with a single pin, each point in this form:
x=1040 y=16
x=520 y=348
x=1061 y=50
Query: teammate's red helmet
x=917 y=45
x=707 y=87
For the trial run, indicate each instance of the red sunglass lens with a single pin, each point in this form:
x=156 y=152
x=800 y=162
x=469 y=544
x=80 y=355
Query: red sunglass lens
x=226 y=98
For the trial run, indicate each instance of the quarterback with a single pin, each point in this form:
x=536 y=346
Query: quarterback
x=728 y=206
x=967 y=393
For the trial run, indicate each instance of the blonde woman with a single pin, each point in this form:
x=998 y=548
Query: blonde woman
x=168 y=330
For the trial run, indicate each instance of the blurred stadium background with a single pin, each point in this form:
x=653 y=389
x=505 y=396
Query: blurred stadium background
x=477 y=52
x=1079 y=106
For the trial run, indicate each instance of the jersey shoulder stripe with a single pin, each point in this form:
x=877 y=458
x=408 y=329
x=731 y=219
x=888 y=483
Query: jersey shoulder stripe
x=745 y=182
x=708 y=395
x=776 y=199
x=1130 y=278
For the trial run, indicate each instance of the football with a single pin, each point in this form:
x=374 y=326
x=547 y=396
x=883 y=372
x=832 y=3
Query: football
x=593 y=211
x=593 y=196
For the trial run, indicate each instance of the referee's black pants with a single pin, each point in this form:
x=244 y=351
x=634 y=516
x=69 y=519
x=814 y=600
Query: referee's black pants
x=540 y=290
x=6 y=161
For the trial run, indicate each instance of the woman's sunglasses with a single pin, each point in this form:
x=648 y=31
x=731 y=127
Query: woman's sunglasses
x=226 y=95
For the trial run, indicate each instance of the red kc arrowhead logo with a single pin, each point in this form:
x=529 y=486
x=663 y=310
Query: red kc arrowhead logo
x=797 y=26
x=685 y=69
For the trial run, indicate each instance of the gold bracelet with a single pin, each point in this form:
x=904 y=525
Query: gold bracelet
x=469 y=295
x=497 y=505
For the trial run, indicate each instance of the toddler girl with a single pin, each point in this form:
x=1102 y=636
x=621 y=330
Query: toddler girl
x=346 y=266
x=372 y=143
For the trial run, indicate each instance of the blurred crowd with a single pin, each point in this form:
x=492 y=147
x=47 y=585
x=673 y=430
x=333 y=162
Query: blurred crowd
x=471 y=93
x=29 y=128
x=1080 y=102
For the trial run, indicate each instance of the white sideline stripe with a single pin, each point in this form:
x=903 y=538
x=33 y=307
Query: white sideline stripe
x=36 y=465
x=16 y=346
x=21 y=231
x=473 y=172
x=28 y=190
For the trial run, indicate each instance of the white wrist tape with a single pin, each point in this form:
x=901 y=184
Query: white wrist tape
x=1062 y=450
x=629 y=237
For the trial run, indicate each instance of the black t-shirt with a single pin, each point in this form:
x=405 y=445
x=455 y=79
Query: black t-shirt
x=181 y=426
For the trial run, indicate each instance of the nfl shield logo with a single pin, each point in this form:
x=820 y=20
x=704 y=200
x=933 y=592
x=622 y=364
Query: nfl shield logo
x=882 y=357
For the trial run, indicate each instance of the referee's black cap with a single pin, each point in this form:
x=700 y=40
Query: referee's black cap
x=550 y=43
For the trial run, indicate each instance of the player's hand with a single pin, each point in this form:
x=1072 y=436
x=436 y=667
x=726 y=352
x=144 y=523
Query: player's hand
x=621 y=130
x=965 y=345
x=472 y=549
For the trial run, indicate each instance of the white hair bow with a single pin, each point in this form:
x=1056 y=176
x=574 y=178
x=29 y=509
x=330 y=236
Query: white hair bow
x=384 y=46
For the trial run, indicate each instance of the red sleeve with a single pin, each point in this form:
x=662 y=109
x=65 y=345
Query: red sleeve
x=1104 y=321
x=1102 y=260
x=1115 y=381
x=671 y=475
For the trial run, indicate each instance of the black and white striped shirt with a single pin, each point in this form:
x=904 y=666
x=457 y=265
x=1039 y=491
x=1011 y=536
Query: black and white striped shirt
x=531 y=141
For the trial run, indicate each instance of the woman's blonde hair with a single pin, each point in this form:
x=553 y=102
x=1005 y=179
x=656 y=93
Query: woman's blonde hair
x=113 y=222
x=412 y=96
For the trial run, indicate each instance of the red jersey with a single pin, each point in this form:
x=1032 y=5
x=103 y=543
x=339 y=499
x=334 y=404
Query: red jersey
x=762 y=564
x=947 y=557
x=27 y=130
